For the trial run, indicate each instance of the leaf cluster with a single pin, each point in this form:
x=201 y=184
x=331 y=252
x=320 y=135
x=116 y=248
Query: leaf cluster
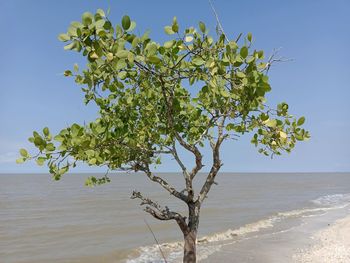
x=153 y=95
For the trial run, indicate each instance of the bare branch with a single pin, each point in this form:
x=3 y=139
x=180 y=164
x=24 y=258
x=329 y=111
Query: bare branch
x=218 y=20
x=163 y=183
x=160 y=213
x=177 y=158
x=216 y=162
x=189 y=187
x=273 y=58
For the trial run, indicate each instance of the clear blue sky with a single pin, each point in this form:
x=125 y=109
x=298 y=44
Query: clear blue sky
x=314 y=33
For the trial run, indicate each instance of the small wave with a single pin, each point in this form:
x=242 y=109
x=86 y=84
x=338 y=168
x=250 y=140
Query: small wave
x=244 y=230
x=333 y=200
x=207 y=245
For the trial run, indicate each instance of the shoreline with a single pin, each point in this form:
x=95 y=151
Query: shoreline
x=322 y=238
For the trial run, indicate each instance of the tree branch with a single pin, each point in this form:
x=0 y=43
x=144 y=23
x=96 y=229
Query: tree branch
x=216 y=162
x=160 y=213
x=273 y=58
x=218 y=21
x=189 y=187
x=192 y=148
x=163 y=183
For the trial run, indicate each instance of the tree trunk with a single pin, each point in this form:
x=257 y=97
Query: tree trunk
x=190 y=247
x=190 y=235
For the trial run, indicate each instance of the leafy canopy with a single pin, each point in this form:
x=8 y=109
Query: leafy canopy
x=152 y=95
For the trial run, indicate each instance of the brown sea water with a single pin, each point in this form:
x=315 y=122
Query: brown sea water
x=46 y=221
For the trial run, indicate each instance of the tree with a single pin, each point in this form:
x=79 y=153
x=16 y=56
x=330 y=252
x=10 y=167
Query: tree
x=154 y=99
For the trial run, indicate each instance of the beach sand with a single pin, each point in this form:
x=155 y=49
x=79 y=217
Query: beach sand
x=332 y=245
x=323 y=238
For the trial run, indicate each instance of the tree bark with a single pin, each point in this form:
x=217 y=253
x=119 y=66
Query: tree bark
x=190 y=239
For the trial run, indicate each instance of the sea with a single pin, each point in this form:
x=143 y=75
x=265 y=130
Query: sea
x=42 y=220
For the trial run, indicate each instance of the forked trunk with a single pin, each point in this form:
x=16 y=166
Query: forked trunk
x=190 y=247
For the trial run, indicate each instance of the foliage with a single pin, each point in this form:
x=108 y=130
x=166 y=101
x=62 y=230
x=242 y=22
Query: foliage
x=154 y=97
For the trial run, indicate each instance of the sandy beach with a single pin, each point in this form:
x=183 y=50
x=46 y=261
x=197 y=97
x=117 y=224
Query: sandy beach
x=321 y=238
x=333 y=245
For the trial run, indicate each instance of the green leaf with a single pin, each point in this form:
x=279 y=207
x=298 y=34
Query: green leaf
x=154 y=59
x=38 y=141
x=100 y=23
x=301 y=121
x=122 y=75
x=250 y=37
x=63 y=170
x=132 y=26
x=59 y=138
x=23 y=152
x=121 y=64
x=70 y=46
x=126 y=22
x=230 y=127
x=131 y=57
x=135 y=42
x=76 y=67
x=264 y=117
x=188 y=38
x=20 y=160
x=225 y=93
x=198 y=61
x=67 y=73
x=129 y=100
x=168 y=44
x=46 y=131
x=145 y=36
x=118 y=31
x=283 y=135
x=90 y=153
x=76 y=24
x=50 y=147
x=202 y=27
x=87 y=18
x=244 y=52
x=175 y=25
x=63 y=37
x=101 y=12
x=271 y=123
x=169 y=30
x=152 y=49
x=240 y=74
x=92 y=161
x=122 y=54
x=40 y=161
x=109 y=56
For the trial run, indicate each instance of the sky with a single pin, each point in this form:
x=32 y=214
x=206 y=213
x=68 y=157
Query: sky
x=315 y=34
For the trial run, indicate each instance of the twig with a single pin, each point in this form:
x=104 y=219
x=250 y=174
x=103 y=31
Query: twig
x=218 y=20
x=275 y=58
x=150 y=229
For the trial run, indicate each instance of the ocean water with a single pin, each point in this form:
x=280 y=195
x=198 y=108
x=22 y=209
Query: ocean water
x=46 y=221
